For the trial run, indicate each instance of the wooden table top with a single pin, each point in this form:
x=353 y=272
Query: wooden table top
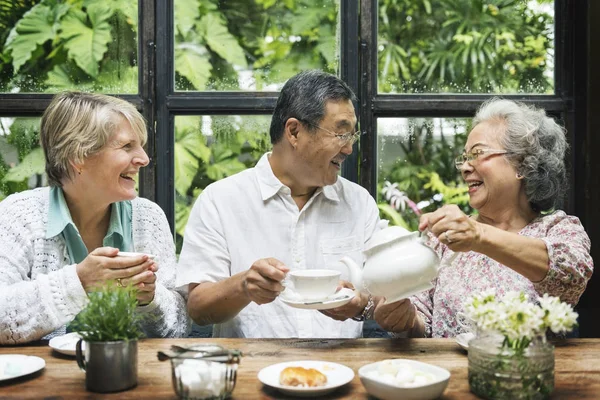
x=577 y=371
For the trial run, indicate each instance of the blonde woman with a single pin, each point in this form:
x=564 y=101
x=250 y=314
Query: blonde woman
x=57 y=243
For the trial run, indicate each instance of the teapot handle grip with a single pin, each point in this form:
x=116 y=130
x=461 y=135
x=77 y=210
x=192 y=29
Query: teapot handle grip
x=423 y=236
x=449 y=261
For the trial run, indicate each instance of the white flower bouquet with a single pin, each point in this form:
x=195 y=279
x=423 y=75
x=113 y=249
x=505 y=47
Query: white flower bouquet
x=518 y=319
x=510 y=358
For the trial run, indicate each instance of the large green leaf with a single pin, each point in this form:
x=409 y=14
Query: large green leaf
x=305 y=20
x=191 y=61
x=117 y=77
x=225 y=162
x=186 y=166
x=86 y=42
x=220 y=41
x=37 y=26
x=59 y=78
x=224 y=169
x=126 y=7
x=33 y=163
x=189 y=149
x=194 y=143
x=186 y=14
x=328 y=45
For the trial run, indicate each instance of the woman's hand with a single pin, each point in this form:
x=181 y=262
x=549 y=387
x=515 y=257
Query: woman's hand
x=145 y=283
x=399 y=316
x=452 y=227
x=102 y=265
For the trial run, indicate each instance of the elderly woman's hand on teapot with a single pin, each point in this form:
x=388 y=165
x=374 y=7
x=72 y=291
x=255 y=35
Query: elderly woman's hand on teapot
x=399 y=316
x=452 y=227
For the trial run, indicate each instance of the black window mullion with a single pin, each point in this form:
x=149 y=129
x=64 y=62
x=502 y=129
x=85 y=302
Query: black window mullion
x=349 y=69
x=221 y=102
x=147 y=90
x=448 y=105
x=164 y=159
x=368 y=90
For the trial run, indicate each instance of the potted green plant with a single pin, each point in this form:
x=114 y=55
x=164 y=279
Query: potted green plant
x=110 y=328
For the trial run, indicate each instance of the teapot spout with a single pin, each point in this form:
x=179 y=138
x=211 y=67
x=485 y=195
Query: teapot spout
x=355 y=272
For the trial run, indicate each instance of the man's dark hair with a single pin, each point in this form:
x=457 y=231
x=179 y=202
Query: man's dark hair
x=304 y=97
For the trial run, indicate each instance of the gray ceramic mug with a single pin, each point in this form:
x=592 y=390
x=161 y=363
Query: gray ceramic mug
x=108 y=366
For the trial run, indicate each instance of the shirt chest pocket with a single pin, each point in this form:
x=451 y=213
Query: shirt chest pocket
x=332 y=250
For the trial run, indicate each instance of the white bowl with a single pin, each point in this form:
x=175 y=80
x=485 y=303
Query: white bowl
x=390 y=391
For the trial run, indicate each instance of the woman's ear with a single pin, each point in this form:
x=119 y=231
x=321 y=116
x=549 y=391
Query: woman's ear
x=77 y=167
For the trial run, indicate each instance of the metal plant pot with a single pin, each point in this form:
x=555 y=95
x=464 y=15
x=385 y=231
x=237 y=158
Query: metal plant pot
x=108 y=366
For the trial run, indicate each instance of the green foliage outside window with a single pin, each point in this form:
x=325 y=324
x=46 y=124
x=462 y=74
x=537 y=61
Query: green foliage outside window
x=425 y=46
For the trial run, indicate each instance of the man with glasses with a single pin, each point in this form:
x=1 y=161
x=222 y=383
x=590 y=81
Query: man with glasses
x=292 y=211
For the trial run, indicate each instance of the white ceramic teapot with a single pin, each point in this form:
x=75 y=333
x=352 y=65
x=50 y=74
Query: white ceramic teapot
x=398 y=264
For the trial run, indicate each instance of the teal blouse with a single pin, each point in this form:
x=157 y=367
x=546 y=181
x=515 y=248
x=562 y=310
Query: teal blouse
x=119 y=232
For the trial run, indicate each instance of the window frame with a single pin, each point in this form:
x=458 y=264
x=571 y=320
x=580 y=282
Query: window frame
x=574 y=102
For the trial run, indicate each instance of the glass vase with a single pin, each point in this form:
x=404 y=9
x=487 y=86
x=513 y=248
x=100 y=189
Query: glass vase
x=498 y=371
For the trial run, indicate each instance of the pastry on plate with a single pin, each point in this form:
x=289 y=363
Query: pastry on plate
x=299 y=376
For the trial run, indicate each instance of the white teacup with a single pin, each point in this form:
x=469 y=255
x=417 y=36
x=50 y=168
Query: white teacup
x=132 y=254
x=312 y=284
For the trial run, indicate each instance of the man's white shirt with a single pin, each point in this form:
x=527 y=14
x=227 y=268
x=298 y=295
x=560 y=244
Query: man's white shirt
x=251 y=215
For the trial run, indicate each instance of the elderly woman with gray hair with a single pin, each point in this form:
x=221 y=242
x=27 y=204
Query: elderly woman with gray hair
x=59 y=243
x=513 y=163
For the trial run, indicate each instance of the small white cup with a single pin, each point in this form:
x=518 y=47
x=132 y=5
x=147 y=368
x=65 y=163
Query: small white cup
x=312 y=284
x=131 y=254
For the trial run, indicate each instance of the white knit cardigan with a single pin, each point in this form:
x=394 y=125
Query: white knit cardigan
x=40 y=292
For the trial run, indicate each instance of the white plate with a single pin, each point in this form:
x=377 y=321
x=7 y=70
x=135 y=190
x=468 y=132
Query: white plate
x=463 y=339
x=337 y=375
x=65 y=344
x=16 y=365
x=336 y=300
x=381 y=389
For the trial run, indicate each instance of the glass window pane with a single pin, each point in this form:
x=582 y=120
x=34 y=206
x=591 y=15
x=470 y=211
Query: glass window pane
x=209 y=148
x=22 y=161
x=465 y=46
x=253 y=45
x=416 y=172
x=51 y=46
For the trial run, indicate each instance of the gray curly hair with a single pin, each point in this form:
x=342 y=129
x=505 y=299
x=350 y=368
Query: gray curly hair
x=536 y=147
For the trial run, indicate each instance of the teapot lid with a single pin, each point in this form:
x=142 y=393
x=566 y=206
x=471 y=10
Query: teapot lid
x=387 y=235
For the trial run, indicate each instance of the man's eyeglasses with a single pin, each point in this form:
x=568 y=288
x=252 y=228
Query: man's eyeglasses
x=473 y=155
x=344 y=138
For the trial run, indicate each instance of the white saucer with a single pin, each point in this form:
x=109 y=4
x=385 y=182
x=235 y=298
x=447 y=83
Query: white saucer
x=337 y=375
x=65 y=344
x=16 y=365
x=335 y=300
x=463 y=339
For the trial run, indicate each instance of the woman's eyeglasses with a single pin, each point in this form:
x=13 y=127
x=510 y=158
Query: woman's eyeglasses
x=473 y=155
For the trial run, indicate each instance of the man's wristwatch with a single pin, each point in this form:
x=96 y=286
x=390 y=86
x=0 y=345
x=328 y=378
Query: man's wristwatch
x=367 y=312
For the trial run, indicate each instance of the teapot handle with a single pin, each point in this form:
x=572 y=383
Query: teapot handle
x=449 y=261
x=423 y=237
x=288 y=285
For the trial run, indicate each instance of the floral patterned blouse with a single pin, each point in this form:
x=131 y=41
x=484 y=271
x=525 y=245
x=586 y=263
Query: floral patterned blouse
x=571 y=267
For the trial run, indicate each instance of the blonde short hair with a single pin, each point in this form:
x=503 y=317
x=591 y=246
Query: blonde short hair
x=77 y=125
